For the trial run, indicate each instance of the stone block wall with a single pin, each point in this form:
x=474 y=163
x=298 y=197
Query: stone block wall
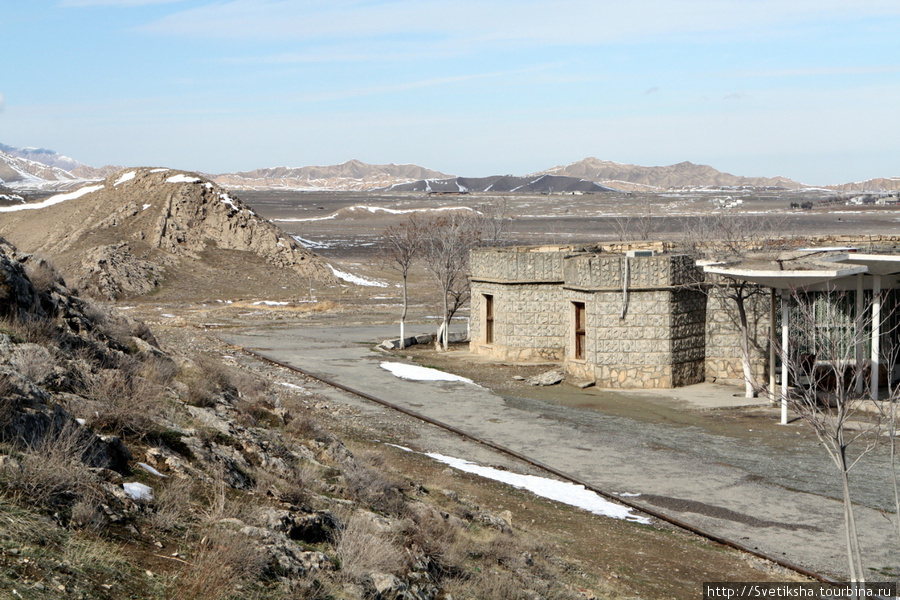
x=723 y=338
x=529 y=322
x=651 y=338
x=518 y=264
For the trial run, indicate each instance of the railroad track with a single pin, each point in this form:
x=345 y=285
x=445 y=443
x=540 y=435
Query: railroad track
x=554 y=471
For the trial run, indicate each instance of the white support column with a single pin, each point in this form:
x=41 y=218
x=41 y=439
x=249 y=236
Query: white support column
x=876 y=336
x=860 y=334
x=785 y=349
x=772 y=356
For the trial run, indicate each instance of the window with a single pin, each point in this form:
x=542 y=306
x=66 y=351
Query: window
x=488 y=319
x=579 y=329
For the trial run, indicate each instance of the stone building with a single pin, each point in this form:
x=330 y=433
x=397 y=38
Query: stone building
x=645 y=316
x=623 y=319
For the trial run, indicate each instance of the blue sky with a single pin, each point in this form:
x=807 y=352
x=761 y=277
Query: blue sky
x=808 y=89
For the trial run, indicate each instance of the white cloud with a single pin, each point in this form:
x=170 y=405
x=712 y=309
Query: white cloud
x=2 y=102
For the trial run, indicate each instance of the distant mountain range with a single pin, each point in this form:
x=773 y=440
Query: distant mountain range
x=351 y=175
x=535 y=184
x=40 y=168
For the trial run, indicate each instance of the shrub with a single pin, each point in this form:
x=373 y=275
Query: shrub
x=50 y=473
x=371 y=488
x=172 y=503
x=221 y=562
x=43 y=275
x=363 y=549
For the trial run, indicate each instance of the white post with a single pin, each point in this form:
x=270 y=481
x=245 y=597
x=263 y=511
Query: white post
x=785 y=349
x=876 y=335
x=860 y=325
x=772 y=325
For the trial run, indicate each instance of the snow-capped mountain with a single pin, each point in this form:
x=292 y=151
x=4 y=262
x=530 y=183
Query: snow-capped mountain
x=51 y=158
x=22 y=173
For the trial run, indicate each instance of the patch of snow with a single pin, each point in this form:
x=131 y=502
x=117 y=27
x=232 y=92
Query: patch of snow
x=560 y=491
x=54 y=199
x=182 y=178
x=417 y=373
x=270 y=303
x=81 y=422
x=292 y=386
x=125 y=177
x=356 y=279
x=226 y=199
x=167 y=315
x=150 y=469
x=160 y=170
x=138 y=491
x=329 y=217
x=310 y=243
x=146 y=206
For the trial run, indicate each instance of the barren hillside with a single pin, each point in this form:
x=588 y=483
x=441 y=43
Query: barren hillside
x=681 y=175
x=351 y=175
x=125 y=236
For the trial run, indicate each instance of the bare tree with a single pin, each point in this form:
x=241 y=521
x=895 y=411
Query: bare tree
x=824 y=361
x=636 y=227
x=446 y=242
x=730 y=238
x=401 y=247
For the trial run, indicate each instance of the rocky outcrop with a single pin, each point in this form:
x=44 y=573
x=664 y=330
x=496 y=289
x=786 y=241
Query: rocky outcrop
x=125 y=236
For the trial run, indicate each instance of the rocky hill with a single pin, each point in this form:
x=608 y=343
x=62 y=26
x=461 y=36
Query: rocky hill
x=125 y=236
x=537 y=184
x=128 y=470
x=681 y=175
x=351 y=175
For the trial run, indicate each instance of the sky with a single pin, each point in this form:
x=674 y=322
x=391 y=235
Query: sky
x=807 y=89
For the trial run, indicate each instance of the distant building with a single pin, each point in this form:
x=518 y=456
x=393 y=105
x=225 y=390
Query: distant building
x=638 y=315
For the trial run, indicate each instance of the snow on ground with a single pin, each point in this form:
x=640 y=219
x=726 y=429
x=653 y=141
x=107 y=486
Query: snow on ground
x=356 y=279
x=311 y=243
x=375 y=209
x=226 y=199
x=181 y=178
x=54 y=199
x=125 y=177
x=138 y=491
x=270 y=303
x=560 y=491
x=417 y=373
x=146 y=206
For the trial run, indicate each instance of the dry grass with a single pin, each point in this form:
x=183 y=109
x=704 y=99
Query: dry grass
x=43 y=275
x=123 y=401
x=363 y=548
x=173 y=504
x=34 y=362
x=373 y=489
x=28 y=329
x=50 y=473
x=222 y=561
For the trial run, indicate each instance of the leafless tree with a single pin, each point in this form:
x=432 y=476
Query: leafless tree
x=446 y=242
x=824 y=362
x=636 y=227
x=730 y=238
x=401 y=246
